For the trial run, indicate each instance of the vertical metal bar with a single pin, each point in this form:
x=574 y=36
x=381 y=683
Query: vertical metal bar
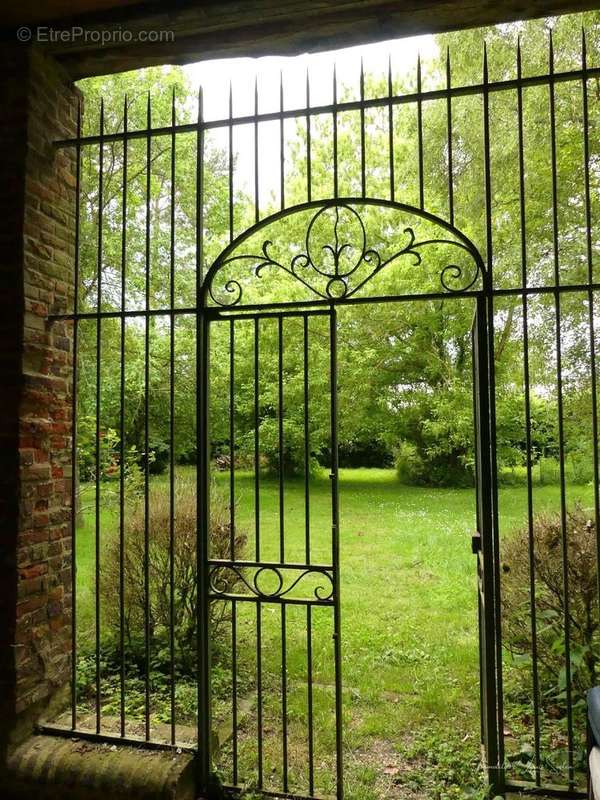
x=363 y=155
x=172 y=431
x=284 y=711
x=485 y=454
x=281 y=144
x=146 y=432
x=202 y=476
x=257 y=437
x=591 y=320
x=231 y=439
x=74 y=469
x=98 y=400
x=475 y=377
x=306 y=444
x=282 y=555
x=335 y=132
x=449 y=138
x=280 y=436
x=497 y=699
x=259 y=703
x=420 y=134
x=309 y=686
x=230 y=160
x=202 y=550
x=308 y=141
x=335 y=543
x=559 y=398
x=256 y=182
x=528 y=441
x=234 y=691
x=391 y=129
x=199 y=196
x=122 y=427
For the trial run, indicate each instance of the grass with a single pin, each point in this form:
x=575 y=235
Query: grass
x=409 y=622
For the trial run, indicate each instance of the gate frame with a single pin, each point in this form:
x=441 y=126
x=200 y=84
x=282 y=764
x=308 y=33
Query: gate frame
x=491 y=713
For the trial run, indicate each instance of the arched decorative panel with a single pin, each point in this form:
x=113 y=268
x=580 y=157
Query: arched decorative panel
x=335 y=250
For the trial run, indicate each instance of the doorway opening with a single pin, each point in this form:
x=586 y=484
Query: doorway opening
x=396 y=192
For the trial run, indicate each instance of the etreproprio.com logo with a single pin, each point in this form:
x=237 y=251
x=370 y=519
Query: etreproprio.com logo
x=101 y=36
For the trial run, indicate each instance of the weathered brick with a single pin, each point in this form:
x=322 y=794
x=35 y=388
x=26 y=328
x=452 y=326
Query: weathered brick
x=37 y=245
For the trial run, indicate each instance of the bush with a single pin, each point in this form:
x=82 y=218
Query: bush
x=185 y=595
x=416 y=467
x=86 y=450
x=364 y=452
x=410 y=467
x=550 y=600
x=159 y=452
x=580 y=463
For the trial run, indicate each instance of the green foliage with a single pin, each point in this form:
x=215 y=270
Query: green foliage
x=551 y=607
x=87 y=450
x=159 y=555
x=404 y=372
x=410 y=467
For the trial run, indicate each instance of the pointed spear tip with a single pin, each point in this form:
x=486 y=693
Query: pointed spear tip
x=200 y=102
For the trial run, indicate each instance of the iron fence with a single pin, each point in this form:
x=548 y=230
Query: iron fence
x=117 y=293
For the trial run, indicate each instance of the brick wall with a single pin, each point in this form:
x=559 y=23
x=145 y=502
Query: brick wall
x=39 y=104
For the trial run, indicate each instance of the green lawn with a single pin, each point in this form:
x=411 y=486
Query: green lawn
x=410 y=662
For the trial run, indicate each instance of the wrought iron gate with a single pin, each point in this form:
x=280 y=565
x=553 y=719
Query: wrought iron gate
x=314 y=278
x=334 y=260
x=486 y=552
x=277 y=577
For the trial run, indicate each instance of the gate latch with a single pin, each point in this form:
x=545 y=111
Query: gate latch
x=476 y=542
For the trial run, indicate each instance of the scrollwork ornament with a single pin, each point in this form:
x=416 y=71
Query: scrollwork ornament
x=254 y=582
x=336 y=261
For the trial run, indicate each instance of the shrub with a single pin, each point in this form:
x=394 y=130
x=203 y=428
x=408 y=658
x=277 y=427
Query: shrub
x=410 y=467
x=86 y=450
x=159 y=453
x=426 y=467
x=550 y=600
x=549 y=471
x=580 y=463
x=185 y=573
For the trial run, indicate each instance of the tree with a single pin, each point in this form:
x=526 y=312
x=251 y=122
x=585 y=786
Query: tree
x=405 y=369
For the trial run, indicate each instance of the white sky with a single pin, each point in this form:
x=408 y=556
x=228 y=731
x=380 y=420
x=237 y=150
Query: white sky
x=215 y=76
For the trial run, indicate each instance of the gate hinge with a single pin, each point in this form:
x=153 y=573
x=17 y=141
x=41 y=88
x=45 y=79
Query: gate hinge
x=476 y=543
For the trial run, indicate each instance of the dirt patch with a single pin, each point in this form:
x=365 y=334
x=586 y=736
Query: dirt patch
x=396 y=773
